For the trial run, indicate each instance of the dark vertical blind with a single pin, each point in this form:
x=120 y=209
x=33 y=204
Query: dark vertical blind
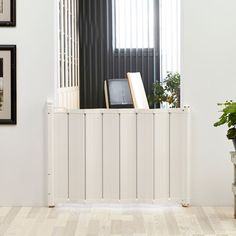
x=101 y=59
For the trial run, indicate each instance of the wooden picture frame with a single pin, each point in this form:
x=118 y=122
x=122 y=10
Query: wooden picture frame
x=7 y=13
x=8 y=100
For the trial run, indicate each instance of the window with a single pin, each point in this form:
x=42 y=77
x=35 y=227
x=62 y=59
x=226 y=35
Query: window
x=134 y=24
x=170 y=36
x=68 y=69
x=134 y=28
x=116 y=37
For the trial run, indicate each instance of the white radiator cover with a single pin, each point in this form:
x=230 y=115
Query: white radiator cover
x=112 y=156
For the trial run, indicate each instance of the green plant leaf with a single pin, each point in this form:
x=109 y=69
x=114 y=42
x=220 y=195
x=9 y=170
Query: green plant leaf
x=230 y=109
x=222 y=121
x=231 y=134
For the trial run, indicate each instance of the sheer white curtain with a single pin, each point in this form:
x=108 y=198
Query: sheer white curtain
x=134 y=24
x=170 y=36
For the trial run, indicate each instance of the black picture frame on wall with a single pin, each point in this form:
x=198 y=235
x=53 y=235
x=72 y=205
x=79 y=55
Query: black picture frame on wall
x=8 y=87
x=7 y=13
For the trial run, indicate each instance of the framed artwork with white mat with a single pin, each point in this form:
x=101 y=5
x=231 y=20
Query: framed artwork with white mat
x=8 y=84
x=7 y=12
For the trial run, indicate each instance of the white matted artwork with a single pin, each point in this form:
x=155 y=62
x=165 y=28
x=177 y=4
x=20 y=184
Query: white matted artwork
x=1 y=84
x=137 y=90
x=7 y=84
x=7 y=12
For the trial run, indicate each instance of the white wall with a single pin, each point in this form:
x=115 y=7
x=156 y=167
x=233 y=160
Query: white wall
x=22 y=147
x=209 y=71
x=209 y=76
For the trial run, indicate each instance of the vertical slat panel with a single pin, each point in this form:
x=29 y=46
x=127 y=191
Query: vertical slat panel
x=128 y=156
x=76 y=157
x=111 y=156
x=66 y=42
x=62 y=41
x=76 y=39
x=161 y=150
x=59 y=55
x=93 y=156
x=145 y=156
x=61 y=157
x=178 y=132
x=77 y=43
x=69 y=42
x=73 y=42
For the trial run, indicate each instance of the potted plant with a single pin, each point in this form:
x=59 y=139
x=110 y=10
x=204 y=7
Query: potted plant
x=167 y=91
x=228 y=117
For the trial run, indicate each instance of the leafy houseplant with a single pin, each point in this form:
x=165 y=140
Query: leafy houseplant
x=167 y=91
x=228 y=117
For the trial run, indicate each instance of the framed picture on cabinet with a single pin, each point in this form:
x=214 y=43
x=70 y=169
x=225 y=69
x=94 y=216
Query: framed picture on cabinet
x=8 y=84
x=7 y=12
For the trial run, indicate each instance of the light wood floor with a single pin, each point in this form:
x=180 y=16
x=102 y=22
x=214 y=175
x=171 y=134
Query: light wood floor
x=117 y=221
